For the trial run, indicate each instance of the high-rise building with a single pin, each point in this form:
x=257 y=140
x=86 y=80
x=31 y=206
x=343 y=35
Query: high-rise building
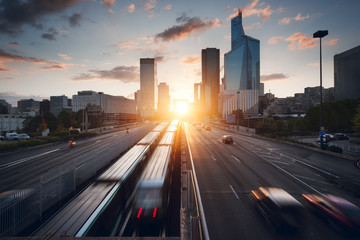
x=210 y=66
x=241 y=72
x=58 y=104
x=347 y=74
x=196 y=94
x=29 y=105
x=44 y=106
x=148 y=87
x=164 y=98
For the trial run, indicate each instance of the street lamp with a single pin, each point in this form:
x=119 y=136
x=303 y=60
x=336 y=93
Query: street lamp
x=238 y=109
x=320 y=34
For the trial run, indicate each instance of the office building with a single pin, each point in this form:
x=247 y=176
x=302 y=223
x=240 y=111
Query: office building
x=347 y=74
x=44 y=106
x=164 y=98
x=210 y=69
x=28 y=105
x=148 y=87
x=242 y=86
x=58 y=104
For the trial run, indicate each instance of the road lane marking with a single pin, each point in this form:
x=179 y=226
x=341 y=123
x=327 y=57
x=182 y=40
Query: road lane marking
x=311 y=179
x=213 y=157
x=279 y=162
x=98 y=141
x=7 y=165
x=236 y=159
x=234 y=192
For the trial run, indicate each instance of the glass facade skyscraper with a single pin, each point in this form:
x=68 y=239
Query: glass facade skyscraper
x=242 y=63
x=148 y=87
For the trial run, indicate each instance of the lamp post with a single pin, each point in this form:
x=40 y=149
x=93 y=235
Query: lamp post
x=238 y=109
x=320 y=34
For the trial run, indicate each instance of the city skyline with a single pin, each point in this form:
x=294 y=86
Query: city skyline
x=70 y=46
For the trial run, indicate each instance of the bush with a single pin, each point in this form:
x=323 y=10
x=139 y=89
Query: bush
x=335 y=149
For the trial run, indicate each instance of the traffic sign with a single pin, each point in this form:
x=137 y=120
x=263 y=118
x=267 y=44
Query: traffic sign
x=322 y=133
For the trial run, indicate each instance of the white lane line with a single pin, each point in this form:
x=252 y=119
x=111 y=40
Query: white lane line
x=234 y=192
x=273 y=161
x=311 y=179
x=98 y=141
x=236 y=159
x=311 y=166
x=213 y=157
x=7 y=165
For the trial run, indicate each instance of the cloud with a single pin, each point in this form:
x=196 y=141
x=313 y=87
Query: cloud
x=298 y=17
x=126 y=74
x=273 y=77
x=253 y=9
x=64 y=56
x=316 y=64
x=189 y=26
x=331 y=42
x=275 y=40
x=298 y=41
x=75 y=19
x=9 y=57
x=191 y=60
x=168 y=7
x=14 y=44
x=226 y=8
x=109 y=4
x=131 y=8
x=15 y=13
x=255 y=25
x=50 y=35
x=14 y=97
x=136 y=44
x=150 y=5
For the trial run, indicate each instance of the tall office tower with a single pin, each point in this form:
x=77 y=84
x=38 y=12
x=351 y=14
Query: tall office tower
x=242 y=63
x=58 y=104
x=196 y=94
x=164 y=98
x=148 y=87
x=347 y=74
x=210 y=66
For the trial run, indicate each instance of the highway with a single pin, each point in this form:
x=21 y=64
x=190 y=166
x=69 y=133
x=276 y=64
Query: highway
x=23 y=169
x=227 y=173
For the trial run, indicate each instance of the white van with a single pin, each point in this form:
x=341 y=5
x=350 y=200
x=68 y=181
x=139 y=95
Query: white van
x=12 y=136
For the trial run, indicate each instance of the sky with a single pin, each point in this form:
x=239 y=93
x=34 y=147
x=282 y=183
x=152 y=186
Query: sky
x=59 y=47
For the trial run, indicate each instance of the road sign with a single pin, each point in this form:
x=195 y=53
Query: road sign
x=322 y=133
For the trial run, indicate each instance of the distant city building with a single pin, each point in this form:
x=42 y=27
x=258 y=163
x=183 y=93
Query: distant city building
x=12 y=122
x=297 y=105
x=137 y=100
x=116 y=109
x=28 y=105
x=242 y=86
x=148 y=87
x=347 y=74
x=196 y=95
x=5 y=107
x=44 y=106
x=210 y=66
x=164 y=98
x=58 y=104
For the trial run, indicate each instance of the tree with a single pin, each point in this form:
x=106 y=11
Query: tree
x=43 y=125
x=64 y=118
x=51 y=121
x=356 y=120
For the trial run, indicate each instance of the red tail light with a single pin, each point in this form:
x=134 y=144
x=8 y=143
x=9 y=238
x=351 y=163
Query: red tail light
x=154 y=212
x=138 y=216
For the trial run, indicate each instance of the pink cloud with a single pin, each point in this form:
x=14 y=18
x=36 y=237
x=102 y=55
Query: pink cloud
x=254 y=9
x=275 y=40
x=109 y=4
x=131 y=8
x=331 y=42
x=150 y=5
x=255 y=25
x=285 y=21
x=298 y=41
x=168 y=7
x=191 y=60
x=315 y=64
x=301 y=18
x=14 y=44
x=298 y=17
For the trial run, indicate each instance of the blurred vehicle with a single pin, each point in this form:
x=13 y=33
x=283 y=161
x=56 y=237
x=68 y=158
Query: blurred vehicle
x=2 y=138
x=23 y=136
x=208 y=128
x=341 y=136
x=203 y=125
x=339 y=210
x=12 y=136
x=227 y=139
x=278 y=207
x=71 y=143
x=327 y=138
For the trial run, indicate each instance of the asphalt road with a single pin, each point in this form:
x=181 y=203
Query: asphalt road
x=23 y=169
x=227 y=173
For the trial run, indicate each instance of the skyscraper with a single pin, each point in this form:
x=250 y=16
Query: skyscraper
x=148 y=87
x=210 y=66
x=164 y=98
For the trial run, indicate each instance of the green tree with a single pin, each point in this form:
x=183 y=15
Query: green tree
x=31 y=124
x=356 y=120
x=64 y=118
x=51 y=121
x=43 y=125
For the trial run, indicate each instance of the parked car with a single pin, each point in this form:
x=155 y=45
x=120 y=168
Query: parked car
x=344 y=213
x=2 y=138
x=23 y=136
x=12 y=136
x=278 y=207
x=227 y=139
x=341 y=136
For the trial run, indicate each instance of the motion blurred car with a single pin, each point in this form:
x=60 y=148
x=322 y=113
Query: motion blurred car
x=208 y=128
x=337 y=209
x=341 y=136
x=278 y=207
x=23 y=136
x=227 y=139
x=198 y=128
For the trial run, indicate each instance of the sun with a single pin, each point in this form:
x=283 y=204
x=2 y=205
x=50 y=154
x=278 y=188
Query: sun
x=181 y=107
